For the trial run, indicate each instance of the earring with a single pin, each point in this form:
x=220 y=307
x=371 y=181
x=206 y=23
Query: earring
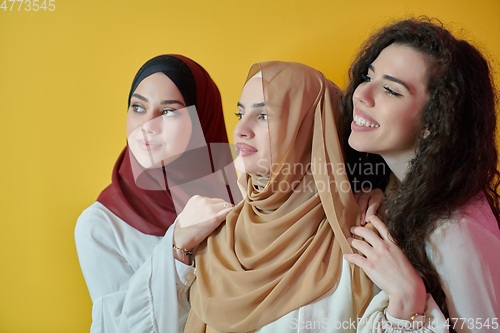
x=426 y=133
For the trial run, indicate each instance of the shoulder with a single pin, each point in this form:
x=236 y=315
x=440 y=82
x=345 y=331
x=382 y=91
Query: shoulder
x=473 y=221
x=99 y=229
x=94 y=222
x=96 y=210
x=463 y=249
x=470 y=232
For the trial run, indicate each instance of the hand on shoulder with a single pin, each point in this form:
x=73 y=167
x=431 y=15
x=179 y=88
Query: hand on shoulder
x=200 y=217
x=388 y=267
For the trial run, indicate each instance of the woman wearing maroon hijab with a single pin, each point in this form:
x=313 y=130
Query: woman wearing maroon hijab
x=177 y=148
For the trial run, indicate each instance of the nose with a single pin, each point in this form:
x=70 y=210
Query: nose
x=244 y=129
x=364 y=94
x=153 y=125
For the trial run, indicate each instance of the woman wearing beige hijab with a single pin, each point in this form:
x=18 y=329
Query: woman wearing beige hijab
x=276 y=263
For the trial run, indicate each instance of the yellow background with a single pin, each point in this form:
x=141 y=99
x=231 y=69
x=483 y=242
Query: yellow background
x=64 y=81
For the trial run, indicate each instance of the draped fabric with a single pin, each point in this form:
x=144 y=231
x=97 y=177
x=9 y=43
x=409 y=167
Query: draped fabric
x=282 y=246
x=143 y=197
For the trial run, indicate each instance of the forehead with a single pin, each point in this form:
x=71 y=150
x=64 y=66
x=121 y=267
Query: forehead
x=252 y=92
x=404 y=63
x=158 y=83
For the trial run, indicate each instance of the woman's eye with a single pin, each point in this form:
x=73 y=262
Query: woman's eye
x=366 y=78
x=239 y=115
x=263 y=116
x=391 y=92
x=138 y=108
x=168 y=113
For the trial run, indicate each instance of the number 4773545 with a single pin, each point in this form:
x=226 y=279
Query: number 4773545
x=472 y=323
x=28 y=5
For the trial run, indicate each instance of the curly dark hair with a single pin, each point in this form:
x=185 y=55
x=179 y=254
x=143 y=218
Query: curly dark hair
x=455 y=159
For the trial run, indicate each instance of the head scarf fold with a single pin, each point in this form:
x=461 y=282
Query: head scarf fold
x=145 y=201
x=281 y=247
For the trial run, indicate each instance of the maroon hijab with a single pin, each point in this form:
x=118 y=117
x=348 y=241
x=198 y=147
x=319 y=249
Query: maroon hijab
x=145 y=201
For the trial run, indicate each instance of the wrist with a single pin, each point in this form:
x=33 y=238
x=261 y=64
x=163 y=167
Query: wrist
x=406 y=305
x=180 y=251
x=415 y=322
x=181 y=240
x=182 y=255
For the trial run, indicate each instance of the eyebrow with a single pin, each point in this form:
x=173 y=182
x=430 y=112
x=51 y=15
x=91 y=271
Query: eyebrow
x=391 y=78
x=168 y=101
x=255 y=105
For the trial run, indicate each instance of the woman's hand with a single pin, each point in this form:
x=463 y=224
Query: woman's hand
x=200 y=217
x=387 y=266
x=369 y=203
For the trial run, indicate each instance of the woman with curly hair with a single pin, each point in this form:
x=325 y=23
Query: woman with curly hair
x=425 y=103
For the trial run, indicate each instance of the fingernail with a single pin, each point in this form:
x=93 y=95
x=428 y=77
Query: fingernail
x=352 y=229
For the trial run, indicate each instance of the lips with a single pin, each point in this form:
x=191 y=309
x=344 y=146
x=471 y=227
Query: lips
x=242 y=149
x=362 y=122
x=149 y=145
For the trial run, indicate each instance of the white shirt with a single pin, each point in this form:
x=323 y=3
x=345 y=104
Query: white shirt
x=137 y=286
x=464 y=251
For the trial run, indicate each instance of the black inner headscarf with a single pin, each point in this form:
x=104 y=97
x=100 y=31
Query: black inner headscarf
x=175 y=69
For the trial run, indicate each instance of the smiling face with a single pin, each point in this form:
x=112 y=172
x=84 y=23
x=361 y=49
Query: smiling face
x=251 y=134
x=158 y=124
x=388 y=105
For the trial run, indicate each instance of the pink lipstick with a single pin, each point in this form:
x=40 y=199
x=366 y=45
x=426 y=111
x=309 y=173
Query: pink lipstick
x=242 y=149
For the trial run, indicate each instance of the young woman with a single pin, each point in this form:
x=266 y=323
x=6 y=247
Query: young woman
x=276 y=264
x=425 y=102
x=174 y=123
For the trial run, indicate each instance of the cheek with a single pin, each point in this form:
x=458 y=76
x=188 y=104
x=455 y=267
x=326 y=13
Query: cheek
x=186 y=132
x=265 y=144
x=263 y=137
x=411 y=122
x=178 y=131
x=407 y=129
x=131 y=124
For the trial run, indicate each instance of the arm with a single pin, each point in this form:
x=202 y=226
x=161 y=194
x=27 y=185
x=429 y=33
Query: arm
x=131 y=277
x=383 y=261
x=376 y=319
x=403 y=289
x=200 y=217
x=154 y=288
x=464 y=254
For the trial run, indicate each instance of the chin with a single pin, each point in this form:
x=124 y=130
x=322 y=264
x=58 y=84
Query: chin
x=353 y=143
x=250 y=166
x=143 y=159
x=361 y=145
x=240 y=166
x=146 y=163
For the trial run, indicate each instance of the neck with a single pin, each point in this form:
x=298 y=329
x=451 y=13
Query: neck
x=399 y=163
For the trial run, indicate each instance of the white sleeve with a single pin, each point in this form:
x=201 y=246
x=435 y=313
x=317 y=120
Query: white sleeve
x=465 y=255
x=149 y=298
x=377 y=320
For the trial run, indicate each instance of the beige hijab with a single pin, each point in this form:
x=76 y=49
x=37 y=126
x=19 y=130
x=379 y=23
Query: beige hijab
x=281 y=247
